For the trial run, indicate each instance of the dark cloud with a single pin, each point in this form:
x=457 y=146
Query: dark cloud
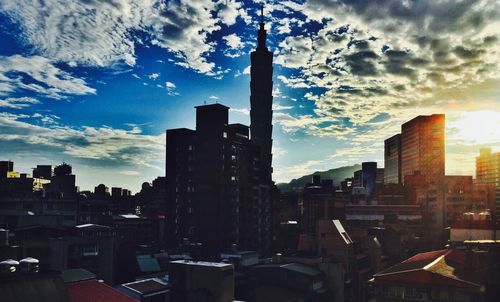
x=362 y=63
x=466 y=53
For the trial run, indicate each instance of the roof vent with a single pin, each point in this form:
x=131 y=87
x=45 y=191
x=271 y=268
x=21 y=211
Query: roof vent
x=8 y=266
x=29 y=265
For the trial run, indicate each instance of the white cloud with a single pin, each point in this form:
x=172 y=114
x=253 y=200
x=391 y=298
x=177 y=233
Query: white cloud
x=171 y=88
x=18 y=103
x=154 y=76
x=230 y=10
x=244 y=111
x=106 y=144
x=105 y=33
x=38 y=74
x=235 y=45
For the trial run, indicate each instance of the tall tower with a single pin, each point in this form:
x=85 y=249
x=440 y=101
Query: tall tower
x=261 y=100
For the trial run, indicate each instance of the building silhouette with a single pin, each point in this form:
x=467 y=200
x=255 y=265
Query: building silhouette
x=219 y=181
x=392 y=160
x=216 y=193
x=261 y=99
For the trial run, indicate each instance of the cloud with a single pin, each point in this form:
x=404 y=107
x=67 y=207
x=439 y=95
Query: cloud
x=244 y=111
x=154 y=76
x=105 y=33
x=171 y=89
x=18 y=103
x=39 y=75
x=95 y=33
x=97 y=146
x=234 y=44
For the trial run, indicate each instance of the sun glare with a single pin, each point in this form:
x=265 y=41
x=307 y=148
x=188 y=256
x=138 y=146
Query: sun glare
x=475 y=127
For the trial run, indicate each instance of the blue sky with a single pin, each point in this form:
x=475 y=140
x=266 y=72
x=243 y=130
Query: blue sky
x=96 y=83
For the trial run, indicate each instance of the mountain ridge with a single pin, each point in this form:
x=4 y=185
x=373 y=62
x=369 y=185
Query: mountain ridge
x=335 y=174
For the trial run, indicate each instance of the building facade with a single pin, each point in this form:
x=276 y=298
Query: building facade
x=423 y=147
x=392 y=160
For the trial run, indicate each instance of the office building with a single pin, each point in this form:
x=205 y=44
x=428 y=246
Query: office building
x=488 y=177
x=422 y=147
x=488 y=167
x=392 y=160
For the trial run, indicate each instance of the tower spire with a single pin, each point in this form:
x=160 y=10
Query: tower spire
x=262 y=14
x=261 y=43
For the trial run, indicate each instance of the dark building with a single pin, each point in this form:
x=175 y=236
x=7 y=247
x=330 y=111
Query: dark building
x=219 y=184
x=392 y=160
x=42 y=171
x=261 y=100
x=201 y=281
x=216 y=194
x=5 y=167
x=62 y=183
x=369 y=176
x=319 y=203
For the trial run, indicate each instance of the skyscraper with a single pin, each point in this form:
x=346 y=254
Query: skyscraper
x=488 y=167
x=392 y=160
x=422 y=147
x=261 y=99
x=488 y=176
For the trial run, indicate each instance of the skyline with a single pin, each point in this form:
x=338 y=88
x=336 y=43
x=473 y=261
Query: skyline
x=324 y=115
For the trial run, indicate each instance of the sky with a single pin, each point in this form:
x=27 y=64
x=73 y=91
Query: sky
x=95 y=83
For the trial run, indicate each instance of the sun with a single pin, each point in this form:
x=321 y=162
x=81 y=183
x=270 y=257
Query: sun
x=474 y=127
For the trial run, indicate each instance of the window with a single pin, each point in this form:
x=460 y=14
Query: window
x=90 y=250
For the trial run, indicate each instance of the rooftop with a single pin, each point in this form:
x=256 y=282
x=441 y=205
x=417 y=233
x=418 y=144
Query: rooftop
x=93 y=290
x=148 y=286
x=202 y=263
x=440 y=268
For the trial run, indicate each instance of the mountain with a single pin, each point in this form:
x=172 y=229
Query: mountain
x=337 y=175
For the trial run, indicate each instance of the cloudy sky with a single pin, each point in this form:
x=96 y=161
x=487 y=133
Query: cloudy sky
x=95 y=83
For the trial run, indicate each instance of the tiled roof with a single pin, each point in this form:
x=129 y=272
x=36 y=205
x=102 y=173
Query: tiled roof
x=437 y=268
x=95 y=291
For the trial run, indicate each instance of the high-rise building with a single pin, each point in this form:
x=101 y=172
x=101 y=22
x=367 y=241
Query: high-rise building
x=261 y=100
x=392 y=160
x=488 y=176
x=219 y=183
x=488 y=167
x=215 y=191
x=423 y=147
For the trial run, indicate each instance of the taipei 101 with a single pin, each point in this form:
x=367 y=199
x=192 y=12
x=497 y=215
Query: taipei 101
x=249 y=151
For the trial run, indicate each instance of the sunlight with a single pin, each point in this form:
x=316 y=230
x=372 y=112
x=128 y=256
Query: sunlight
x=475 y=127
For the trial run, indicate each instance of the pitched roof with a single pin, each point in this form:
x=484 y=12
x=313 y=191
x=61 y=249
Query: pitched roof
x=437 y=268
x=93 y=291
